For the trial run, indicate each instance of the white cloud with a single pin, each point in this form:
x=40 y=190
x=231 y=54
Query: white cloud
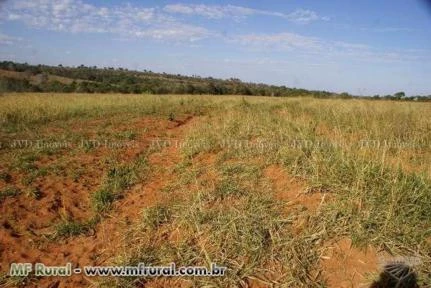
x=303 y=16
x=281 y=41
x=312 y=47
x=177 y=32
x=214 y=12
x=352 y=46
x=77 y=16
x=238 y=12
x=130 y=21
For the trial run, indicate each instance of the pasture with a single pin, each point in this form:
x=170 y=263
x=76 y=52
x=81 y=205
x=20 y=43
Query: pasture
x=284 y=192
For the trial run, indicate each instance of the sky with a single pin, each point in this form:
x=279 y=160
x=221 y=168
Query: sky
x=362 y=47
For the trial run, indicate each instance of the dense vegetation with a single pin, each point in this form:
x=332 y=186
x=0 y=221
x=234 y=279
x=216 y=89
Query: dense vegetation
x=83 y=79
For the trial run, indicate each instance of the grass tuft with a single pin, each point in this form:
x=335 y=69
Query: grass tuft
x=9 y=191
x=117 y=179
x=34 y=192
x=70 y=228
x=156 y=215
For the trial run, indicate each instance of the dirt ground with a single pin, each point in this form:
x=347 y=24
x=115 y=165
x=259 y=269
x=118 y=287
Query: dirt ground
x=26 y=225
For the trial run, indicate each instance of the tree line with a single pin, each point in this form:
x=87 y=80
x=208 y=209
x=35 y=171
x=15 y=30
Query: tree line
x=91 y=79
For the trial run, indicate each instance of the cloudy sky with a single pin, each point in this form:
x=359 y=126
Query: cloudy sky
x=362 y=47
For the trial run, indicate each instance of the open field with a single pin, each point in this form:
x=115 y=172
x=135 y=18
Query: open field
x=284 y=192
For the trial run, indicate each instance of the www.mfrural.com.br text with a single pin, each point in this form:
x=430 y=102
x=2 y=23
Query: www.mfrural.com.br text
x=140 y=270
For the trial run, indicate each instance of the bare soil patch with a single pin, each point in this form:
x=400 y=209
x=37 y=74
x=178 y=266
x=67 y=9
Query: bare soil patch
x=345 y=266
x=27 y=223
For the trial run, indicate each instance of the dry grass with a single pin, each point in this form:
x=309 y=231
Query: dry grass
x=371 y=158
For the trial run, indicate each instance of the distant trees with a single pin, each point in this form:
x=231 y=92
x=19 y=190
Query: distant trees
x=345 y=95
x=16 y=85
x=399 y=95
x=118 y=80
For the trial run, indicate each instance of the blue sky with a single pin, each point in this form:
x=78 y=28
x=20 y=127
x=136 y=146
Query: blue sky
x=362 y=47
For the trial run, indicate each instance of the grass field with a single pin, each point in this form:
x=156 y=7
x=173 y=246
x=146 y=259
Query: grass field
x=284 y=192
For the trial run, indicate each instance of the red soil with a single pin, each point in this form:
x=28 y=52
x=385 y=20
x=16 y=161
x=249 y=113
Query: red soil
x=25 y=222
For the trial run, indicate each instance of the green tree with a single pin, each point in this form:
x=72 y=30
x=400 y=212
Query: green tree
x=399 y=95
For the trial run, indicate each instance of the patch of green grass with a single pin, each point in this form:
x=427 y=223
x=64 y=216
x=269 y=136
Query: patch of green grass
x=190 y=175
x=153 y=217
x=28 y=179
x=32 y=175
x=9 y=191
x=243 y=237
x=102 y=199
x=120 y=177
x=25 y=162
x=387 y=197
x=129 y=135
x=183 y=166
x=117 y=179
x=58 y=169
x=227 y=188
x=76 y=174
x=69 y=228
x=241 y=171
